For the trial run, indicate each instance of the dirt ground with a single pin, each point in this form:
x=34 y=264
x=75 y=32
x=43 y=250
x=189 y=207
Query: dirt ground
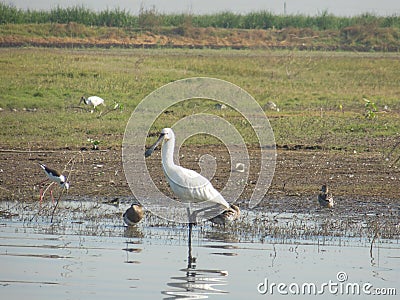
x=70 y=36
x=362 y=183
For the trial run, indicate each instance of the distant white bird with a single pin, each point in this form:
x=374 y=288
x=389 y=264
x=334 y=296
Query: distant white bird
x=55 y=177
x=186 y=184
x=92 y=100
x=133 y=214
x=325 y=198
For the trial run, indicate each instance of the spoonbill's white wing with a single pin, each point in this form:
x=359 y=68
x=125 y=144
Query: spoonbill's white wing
x=189 y=185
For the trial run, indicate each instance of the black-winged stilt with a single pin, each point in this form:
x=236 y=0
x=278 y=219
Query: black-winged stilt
x=55 y=177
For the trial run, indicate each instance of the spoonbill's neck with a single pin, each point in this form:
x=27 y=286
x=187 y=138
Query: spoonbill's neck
x=167 y=152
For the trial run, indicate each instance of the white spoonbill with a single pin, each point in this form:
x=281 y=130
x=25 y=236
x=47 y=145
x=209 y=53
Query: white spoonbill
x=92 y=100
x=186 y=184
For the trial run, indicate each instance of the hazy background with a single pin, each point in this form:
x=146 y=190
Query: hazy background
x=308 y=7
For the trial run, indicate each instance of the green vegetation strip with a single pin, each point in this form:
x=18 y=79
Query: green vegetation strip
x=150 y=18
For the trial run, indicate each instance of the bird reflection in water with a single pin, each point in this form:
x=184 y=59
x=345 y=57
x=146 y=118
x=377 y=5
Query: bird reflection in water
x=133 y=232
x=197 y=283
x=133 y=246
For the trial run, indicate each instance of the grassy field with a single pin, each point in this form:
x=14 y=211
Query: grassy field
x=319 y=94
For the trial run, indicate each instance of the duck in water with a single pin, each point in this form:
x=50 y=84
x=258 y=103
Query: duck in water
x=325 y=198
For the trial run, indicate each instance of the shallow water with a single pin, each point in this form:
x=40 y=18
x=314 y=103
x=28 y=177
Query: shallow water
x=88 y=253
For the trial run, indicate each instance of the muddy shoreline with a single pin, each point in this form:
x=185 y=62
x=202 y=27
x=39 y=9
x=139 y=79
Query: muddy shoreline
x=363 y=178
x=364 y=186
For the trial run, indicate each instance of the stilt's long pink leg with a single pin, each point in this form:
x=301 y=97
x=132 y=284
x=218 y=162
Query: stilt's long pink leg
x=41 y=196
x=47 y=189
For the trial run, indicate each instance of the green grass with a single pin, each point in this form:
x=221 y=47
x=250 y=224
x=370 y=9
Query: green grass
x=320 y=95
x=152 y=19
